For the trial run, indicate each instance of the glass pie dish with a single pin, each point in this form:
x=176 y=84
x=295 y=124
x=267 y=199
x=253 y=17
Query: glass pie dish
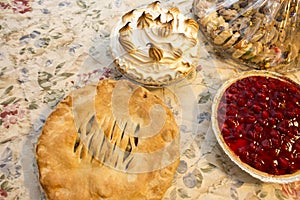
x=256 y=120
x=260 y=34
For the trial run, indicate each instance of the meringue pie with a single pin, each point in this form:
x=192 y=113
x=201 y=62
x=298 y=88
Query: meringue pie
x=155 y=46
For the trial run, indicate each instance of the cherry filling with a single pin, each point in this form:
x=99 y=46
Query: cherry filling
x=259 y=118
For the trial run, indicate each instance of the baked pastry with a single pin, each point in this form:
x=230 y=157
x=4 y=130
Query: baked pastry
x=256 y=118
x=260 y=34
x=114 y=140
x=155 y=46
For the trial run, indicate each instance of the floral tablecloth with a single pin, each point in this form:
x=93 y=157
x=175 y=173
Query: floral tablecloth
x=51 y=47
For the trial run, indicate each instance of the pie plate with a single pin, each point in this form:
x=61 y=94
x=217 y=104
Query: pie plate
x=256 y=119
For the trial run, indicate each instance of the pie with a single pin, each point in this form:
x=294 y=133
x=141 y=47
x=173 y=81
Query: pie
x=111 y=140
x=256 y=118
x=155 y=46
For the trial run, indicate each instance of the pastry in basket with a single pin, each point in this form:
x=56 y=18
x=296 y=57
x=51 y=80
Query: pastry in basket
x=114 y=140
x=155 y=46
x=256 y=118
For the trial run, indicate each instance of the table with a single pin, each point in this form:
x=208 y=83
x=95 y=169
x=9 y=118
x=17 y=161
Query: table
x=51 y=47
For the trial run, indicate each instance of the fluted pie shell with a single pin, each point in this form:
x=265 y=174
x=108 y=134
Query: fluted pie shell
x=69 y=169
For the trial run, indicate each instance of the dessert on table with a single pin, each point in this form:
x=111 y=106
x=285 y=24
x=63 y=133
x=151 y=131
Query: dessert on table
x=256 y=119
x=111 y=140
x=155 y=46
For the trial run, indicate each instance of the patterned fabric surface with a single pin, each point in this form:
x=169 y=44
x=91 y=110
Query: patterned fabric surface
x=51 y=47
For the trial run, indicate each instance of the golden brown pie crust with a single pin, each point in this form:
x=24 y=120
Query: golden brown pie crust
x=68 y=171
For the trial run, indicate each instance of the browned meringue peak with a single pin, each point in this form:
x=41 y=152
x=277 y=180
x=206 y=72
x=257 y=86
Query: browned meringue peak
x=127 y=44
x=176 y=52
x=154 y=5
x=166 y=28
x=124 y=39
x=155 y=52
x=174 y=10
x=157 y=20
x=169 y=16
x=128 y=16
x=125 y=29
x=144 y=20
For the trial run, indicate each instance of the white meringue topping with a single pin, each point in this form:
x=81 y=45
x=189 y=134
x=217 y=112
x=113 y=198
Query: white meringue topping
x=155 y=46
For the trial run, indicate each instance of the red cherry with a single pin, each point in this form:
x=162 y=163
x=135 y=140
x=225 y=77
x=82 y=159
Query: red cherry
x=283 y=162
x=293 y=167
x=272 y=121
x=258 y=164
x=241 y=101
x=249 y=94
x=252 y=147
x=252 y=79
x=233 y=90
x=231 y=122
x=231 y=112
x=295 y=130
x=279 y=115
x=273 y=103
x=261 y=95
x=253 y=135
x=226 y=132
x=296 y=146
x=291 y=114
x=241 y=85
x=256 y=108
x=258 y=128
x=274 y=133
x=250 y=119
x=266 y=144
x=229 y=139
x=281 y=96
x=272 y=85
x=241 y=119
x=275 y=142
x=262 y=122
x=278 y=171
x=265 y=114
x=286 y=148
x=231 y=98
x=254 y=90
